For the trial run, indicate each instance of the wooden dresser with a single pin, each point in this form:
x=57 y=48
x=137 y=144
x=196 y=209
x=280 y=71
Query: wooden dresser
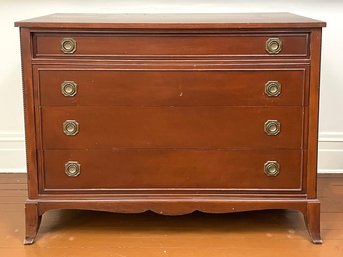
x=171 y=113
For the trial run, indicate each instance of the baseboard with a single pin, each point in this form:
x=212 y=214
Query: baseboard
x=330 y=153
x=12 y=152
x=331 y=137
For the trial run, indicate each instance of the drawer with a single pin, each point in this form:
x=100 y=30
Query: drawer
x=263 y=86
x=171 y=127
x=172 y=170
x=169 y=45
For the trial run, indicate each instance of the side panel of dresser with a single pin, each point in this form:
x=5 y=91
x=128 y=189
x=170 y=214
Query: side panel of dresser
x=313 y=113
x=312 y=214
x=32 y=215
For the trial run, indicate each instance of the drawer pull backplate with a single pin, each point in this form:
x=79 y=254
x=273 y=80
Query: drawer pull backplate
x=72 y=168
x=68 y=45
x=272 y=168
x=70 y=127
x=273 y=45
x=69 y=88
x=272 y=127
x=272 y=88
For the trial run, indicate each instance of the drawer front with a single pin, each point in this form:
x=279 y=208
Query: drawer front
x=170 y=45
x=171 y=127
x=171 y=170
x=171 y=88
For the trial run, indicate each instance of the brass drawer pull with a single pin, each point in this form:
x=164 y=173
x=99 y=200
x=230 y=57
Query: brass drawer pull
x=69 y=88
x=72 y=168
x=272 y=88
x=272 y=168
x=272 y=127
x=68 y=45
x=70 y=127
x=273 y=45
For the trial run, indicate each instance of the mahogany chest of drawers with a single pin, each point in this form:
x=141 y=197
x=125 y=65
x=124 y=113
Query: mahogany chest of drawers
x=171 y=113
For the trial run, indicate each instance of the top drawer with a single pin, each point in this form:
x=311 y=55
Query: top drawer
x=123 y=45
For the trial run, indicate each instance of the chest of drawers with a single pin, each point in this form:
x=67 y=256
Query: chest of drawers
x=171 y=113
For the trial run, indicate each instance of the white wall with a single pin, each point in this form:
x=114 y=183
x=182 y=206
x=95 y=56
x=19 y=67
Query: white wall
x=12 y=158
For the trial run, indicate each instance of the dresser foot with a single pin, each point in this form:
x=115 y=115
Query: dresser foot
x=32 y=222
x=312 y=220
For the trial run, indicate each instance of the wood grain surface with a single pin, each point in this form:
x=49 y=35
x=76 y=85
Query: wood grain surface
x=172 y=45
x=172 y=20
x=190 y=122
x=171 y=127
x=76 y=233
x=164 y=87
x=170 y=170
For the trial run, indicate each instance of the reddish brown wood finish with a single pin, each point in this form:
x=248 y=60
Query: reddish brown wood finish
x=189 y=87
x=32 y=222
x=172 y=21
x=88 y=233
x=29 y=114
x=171 y=127
x=171 y=110
x=169 y=45
x=313 y=114
x=192 y=170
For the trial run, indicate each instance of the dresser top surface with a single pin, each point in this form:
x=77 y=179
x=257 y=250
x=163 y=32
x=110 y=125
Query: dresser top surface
x=172 y=21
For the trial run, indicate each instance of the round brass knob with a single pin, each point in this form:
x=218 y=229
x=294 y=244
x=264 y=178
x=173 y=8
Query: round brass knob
x=272 y=127
x=72 y=168
x=272 y=168
x=272 y=88
x=68 y=45
x=273 y=45
x=70 y=127
x=69 y=88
